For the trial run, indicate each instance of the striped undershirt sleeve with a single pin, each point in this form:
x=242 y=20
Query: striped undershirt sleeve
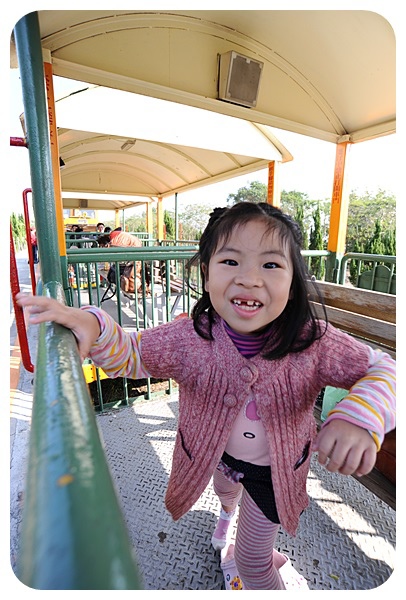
x=116 y=351
x=370 y=403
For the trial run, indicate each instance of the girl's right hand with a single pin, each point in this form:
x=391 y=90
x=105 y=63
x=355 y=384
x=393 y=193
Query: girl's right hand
x=83 y=324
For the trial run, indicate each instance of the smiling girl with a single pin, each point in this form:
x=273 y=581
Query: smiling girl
x=250 y=364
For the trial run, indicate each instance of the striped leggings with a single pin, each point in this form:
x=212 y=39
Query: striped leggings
x=255 y=539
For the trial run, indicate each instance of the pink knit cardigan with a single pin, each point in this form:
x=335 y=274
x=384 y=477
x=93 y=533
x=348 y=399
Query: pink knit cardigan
x=214 y=381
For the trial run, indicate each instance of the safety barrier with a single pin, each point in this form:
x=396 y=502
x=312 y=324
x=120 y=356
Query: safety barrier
x=374 y=272
x=73 y=534
x=166 y=293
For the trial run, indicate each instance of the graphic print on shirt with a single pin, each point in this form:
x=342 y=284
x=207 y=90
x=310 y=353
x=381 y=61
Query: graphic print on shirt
x=247 y=440
x=252 y=415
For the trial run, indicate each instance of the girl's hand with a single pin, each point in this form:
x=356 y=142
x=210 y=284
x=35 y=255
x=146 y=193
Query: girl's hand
x=345 y=448
x=84 y=325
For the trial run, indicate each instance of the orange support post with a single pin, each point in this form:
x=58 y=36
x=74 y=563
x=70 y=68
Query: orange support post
x=339 y=204
x=274 y=196
x=338 y=216
x=53 y=134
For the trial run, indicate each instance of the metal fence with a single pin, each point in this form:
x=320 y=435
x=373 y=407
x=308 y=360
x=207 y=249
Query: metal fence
x=167 y=289
x=374 y=272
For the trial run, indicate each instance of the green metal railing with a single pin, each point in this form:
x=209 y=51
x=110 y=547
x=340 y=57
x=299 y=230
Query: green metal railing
x=169 y=293
x=73 y=534
x=157 y=306
x=375 y=272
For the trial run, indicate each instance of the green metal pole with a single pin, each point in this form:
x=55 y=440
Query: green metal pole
x=176 y=218
x=73 y=532
x=28 y=45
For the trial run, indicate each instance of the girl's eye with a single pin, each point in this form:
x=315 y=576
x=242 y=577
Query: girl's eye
x=271 y=265
x=230 y=262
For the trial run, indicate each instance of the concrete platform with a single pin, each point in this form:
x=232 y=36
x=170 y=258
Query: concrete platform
x=346 y=540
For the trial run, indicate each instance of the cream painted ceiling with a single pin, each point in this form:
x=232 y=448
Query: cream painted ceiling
x=152 y=147
x=327 y=74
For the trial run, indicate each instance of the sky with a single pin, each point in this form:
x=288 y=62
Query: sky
x=371 y=165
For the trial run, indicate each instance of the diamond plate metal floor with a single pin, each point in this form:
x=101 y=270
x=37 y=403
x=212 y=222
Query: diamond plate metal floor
x=346 y=539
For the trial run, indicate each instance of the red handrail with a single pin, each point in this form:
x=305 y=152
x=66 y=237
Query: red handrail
x=18 y=311
x=28 y=236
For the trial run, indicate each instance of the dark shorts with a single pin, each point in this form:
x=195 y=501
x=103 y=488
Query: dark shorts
x=257 y=481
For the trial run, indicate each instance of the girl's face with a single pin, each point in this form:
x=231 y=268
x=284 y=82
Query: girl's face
x=249 y=278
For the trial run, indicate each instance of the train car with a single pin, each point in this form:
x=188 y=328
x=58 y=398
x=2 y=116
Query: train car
x=321 y=73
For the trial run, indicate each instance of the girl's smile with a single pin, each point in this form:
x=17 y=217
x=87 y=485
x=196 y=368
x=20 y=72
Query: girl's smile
x=249 y=277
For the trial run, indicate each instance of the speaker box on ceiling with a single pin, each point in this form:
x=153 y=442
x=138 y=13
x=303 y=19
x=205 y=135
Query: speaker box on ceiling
x=239 y=78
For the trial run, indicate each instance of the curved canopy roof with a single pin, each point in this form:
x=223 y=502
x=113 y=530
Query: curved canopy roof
x=151 y=147
x=326 y=74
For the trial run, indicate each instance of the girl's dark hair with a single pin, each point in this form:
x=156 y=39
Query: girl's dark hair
x=297 y=327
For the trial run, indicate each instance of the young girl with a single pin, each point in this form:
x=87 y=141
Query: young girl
x=249 y=364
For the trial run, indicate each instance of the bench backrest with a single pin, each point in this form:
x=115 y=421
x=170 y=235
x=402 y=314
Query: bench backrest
x=368 y=315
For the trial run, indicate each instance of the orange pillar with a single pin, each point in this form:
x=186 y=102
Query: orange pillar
x=274 y=195
x=338 y=214
x=339 y=204
x=53 y=134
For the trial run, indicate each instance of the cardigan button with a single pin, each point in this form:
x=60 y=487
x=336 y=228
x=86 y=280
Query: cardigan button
x=230 y=400
x=246 y=374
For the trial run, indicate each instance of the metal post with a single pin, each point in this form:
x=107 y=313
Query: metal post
x=73 y=533
x=176 y=219
x=28 y=45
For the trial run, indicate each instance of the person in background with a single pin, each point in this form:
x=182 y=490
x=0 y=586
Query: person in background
x=75 y=229
x=250 y=363
x=124 y=239
x=120 y=239
x=99 y=229
x=34 y=245
x=104 y=240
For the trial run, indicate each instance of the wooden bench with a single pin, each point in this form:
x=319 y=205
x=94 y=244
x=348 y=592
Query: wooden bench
x=371 y=317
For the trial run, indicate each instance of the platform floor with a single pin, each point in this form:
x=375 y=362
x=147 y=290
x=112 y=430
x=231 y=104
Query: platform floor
x=346 y=539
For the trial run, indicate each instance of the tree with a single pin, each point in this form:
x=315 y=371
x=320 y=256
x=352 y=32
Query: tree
x=18 y=230
x=194 y=219
x=135 y=223
x=389 y=240
x=169 y=225
x=363 y=212
x=316 y=243
x=375 y=245
x=256 y=192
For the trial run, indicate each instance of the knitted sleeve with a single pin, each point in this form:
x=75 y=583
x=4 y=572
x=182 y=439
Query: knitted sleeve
x=370 y=402
x=117 y=352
